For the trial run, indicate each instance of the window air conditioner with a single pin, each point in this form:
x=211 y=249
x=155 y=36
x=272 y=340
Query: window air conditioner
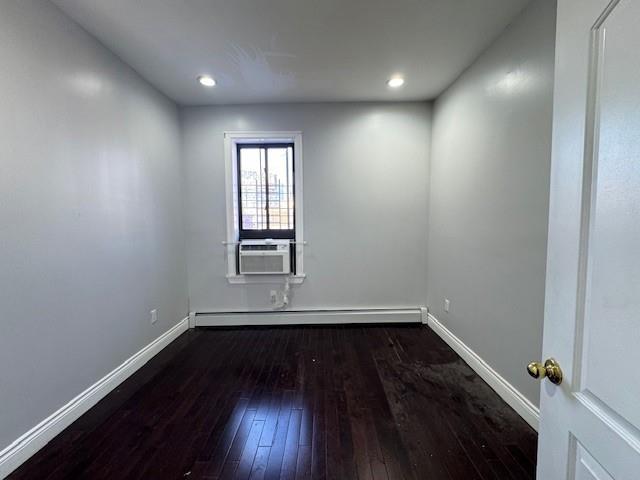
x=259 y=257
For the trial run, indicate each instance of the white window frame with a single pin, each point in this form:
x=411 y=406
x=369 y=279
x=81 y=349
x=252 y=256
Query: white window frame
x=231 y=140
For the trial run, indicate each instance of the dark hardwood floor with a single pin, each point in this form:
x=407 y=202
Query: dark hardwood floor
x=339 y=402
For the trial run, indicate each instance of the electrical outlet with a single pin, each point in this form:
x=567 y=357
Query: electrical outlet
x=447 y=305
x=274 y=297
x=154 y=316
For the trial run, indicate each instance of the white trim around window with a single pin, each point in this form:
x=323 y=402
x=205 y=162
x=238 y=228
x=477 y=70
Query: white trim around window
x=231 y=139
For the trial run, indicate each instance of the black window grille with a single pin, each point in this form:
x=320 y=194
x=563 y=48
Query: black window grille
x=266 y=191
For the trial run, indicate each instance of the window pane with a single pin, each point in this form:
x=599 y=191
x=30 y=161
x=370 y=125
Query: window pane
x=253 y=188
x=280 y=167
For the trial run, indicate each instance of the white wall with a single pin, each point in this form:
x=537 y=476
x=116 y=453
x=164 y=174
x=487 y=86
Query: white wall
x=489 y=197
x=365 y=203
x=91 y=235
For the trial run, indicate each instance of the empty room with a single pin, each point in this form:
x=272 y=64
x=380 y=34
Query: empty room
x=302 y=239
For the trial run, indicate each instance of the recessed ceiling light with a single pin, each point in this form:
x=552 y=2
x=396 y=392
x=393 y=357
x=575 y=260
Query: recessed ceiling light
x=207 y=81
x=395 y=82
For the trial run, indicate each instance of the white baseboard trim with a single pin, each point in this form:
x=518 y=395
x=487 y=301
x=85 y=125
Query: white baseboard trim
x=424 y=315
x=309 y=317
x=29 y=443
x=527 y=410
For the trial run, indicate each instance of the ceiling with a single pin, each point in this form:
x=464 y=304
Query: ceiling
x=295 y=50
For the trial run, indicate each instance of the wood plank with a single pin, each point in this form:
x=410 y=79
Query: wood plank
x=260 y=463
x=250 y=449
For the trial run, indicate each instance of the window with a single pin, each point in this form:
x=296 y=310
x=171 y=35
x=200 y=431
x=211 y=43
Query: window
x=264 y=173
x=266 y=191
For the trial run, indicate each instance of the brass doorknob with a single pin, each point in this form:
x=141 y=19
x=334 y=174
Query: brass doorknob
x=551 y=369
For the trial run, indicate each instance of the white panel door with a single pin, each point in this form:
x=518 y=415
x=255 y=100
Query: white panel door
x=590 y=424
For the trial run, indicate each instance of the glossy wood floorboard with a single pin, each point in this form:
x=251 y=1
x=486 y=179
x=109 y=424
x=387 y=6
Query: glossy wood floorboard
x=338 y=402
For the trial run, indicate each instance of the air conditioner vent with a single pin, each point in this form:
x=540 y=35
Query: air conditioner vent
x=259 y=247
x=265 y=257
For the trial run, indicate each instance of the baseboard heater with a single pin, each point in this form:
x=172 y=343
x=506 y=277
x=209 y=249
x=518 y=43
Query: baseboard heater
x=309 y=317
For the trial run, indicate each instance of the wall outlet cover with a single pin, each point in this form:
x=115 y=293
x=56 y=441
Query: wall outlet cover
x=447 y=305
x=154 y=316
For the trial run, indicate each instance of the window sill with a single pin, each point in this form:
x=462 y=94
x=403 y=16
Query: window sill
x=265 y=279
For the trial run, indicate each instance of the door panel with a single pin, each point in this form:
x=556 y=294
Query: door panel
x=587 y=468
x=613 y=275
x=590 y=425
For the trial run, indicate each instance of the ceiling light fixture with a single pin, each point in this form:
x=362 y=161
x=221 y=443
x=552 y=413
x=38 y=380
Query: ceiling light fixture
x=395 y=82
x=207 y=81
